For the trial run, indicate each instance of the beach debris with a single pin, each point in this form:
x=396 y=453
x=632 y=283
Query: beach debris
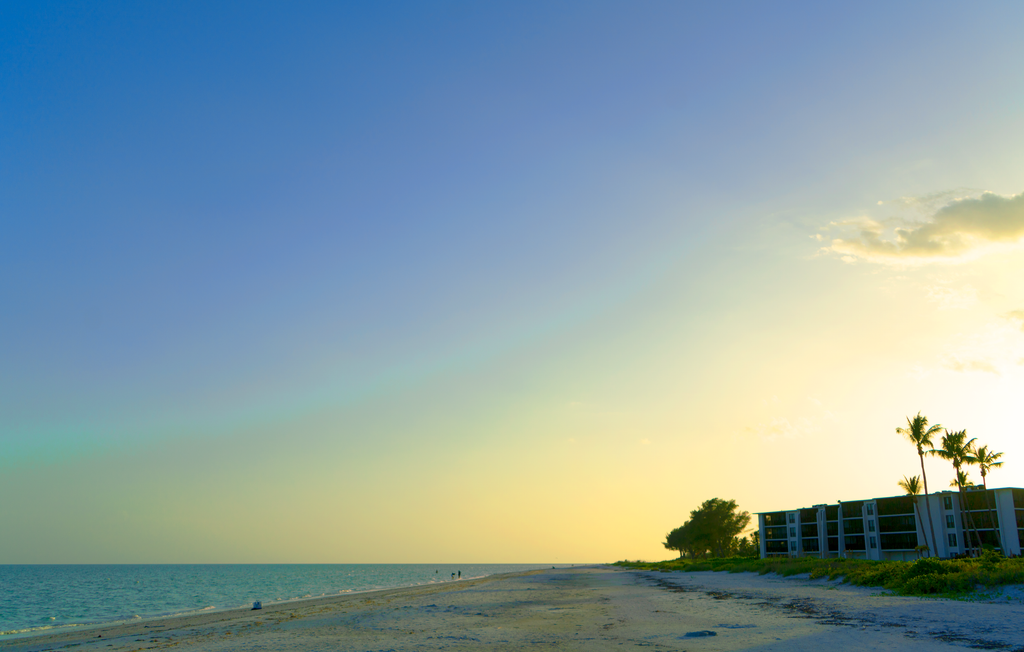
x=704 y=632
x=257 y=605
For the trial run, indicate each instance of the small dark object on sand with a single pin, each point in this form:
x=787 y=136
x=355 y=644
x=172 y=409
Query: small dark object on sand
x=700 y=633
x=256 y=605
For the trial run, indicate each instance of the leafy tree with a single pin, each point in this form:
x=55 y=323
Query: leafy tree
x=716 y=523
x=686 y=540
x=749 y=546
x=912 y=486
x=920 y=435
x=712 y=527
x=676 y=540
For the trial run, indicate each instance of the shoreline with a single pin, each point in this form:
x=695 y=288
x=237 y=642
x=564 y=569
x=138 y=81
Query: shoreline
x=64 y=634
x=584 y=608
x=29 y=631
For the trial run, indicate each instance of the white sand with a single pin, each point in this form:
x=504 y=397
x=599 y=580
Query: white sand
x=582 y=609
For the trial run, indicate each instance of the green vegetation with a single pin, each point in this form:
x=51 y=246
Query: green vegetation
x=710 y=541
x=920 y=435
x=957 y=449
x=986 y=461
x=912 y=486
x=713 y=527
x=928 y=576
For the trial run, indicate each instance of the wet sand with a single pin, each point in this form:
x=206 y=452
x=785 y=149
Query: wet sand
x=596 y=608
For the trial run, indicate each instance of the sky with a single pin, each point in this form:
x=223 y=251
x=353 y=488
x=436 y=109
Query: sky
x=493 y=282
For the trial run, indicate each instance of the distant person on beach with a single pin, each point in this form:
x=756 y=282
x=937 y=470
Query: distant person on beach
x=453 y=575
x=460 y=575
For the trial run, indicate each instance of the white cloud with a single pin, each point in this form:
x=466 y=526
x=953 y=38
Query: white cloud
x=995 y=349
x=952 y=298
x=918 y=372
x=960 y=229
x=782 y=428
x=933 y=201
x=972 y=365
x=811 y=422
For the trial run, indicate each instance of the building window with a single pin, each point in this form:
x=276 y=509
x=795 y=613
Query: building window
x=871 y=527
x=871 y=512
x=873 y=542
x=792 y=518
x=792 y=531
x=949 y=521
x=952 y=540
x=947 y=502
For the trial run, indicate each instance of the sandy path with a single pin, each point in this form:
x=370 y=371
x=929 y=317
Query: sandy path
x=580 y=609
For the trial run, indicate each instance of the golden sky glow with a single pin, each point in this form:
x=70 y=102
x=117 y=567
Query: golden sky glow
x=530 y=296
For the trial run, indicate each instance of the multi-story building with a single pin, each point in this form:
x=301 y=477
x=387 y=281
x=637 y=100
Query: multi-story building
x=895 y=527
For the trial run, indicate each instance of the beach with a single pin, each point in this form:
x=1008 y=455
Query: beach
x=586 y=608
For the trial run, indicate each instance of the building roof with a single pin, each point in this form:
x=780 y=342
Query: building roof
x=864 y=500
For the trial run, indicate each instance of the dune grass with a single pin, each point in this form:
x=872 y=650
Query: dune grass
x=941 y=577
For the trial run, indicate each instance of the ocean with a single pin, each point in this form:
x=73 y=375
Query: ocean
x=35 y=599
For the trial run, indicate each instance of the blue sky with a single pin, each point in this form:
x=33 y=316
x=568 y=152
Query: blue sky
x=439 y=225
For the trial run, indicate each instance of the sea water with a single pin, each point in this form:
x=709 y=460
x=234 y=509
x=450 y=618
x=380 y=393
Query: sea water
x=36 y=599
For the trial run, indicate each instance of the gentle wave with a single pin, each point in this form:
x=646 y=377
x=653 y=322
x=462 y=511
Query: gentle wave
x=70 y=596
x=41 y=628
x=63 y=626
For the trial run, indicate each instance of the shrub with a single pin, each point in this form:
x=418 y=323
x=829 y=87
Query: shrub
x=928 y=576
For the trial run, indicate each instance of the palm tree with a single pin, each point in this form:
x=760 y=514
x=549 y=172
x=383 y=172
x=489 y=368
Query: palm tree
x=986 y=461
x=920 y=435
x=956 y=449
x=961 y=481
x=912 y=486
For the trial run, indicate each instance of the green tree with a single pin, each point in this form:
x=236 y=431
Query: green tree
x=912 y=486
x=716 y=524
x=986 y=461
x=749 y=546
x=676 y=540
x=712 y=527
x=687 y=540
x=956 y=449
x=920 y=435
x=961 y=480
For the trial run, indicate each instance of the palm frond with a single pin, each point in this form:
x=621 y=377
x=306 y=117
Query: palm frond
x=911 y=485
x=961 y=480
x=918 y=432
x=986 y=459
